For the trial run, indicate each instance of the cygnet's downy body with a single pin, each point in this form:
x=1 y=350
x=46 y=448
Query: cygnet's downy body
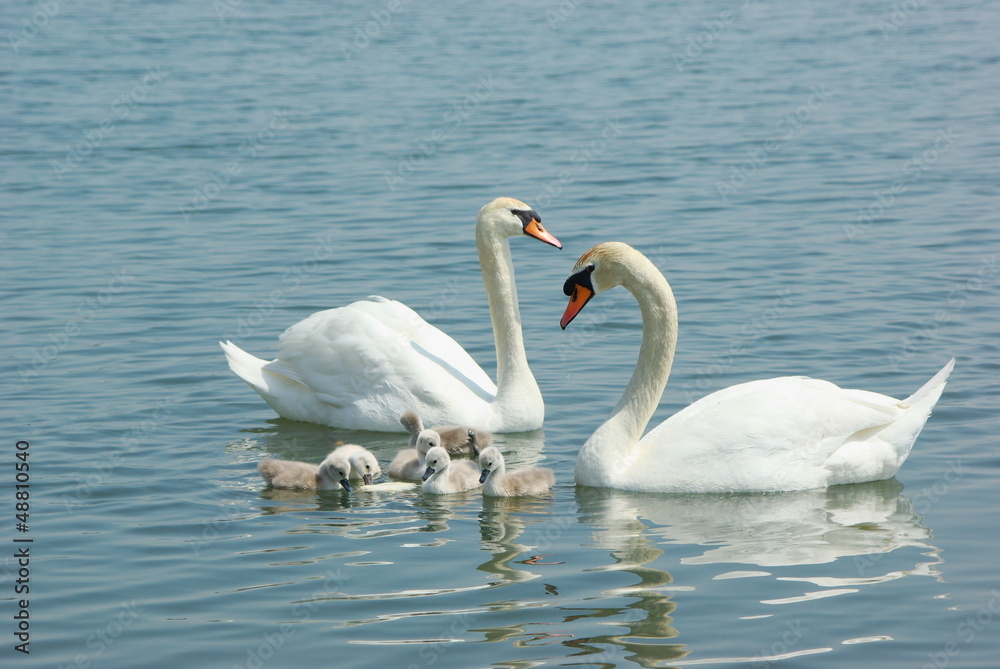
x=442 y=476
x=456 y=439
x=409 y=462
x=331 y=474
x=498 y=482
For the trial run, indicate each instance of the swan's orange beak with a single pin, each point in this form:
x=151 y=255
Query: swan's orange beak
x=534 y=229
x=577 y=301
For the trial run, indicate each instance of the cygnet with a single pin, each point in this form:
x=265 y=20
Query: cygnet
x=456 y=439
x=364 y=466
x=443 y=476
x=331 y=474
x=498 y=482
x=409 y=462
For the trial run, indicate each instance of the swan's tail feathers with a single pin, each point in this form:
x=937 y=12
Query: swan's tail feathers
x=903 y=432
x=248 y=367
x=931 y=391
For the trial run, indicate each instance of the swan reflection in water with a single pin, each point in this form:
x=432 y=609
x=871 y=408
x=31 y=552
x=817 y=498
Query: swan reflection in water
x=862 y=522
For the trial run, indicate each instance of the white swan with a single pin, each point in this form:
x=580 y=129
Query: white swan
x=361 y=366
x=364 y=466
x=444 y=477
x=456 y=439
x=331 y=474
x=498 y=482
x=788 y=433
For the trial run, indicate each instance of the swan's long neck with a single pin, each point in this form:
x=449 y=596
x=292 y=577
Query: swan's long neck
x=613 y=445
x=516 y=386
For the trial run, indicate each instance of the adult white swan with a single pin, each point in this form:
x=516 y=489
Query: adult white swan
x=361 y=366
x=788 y=433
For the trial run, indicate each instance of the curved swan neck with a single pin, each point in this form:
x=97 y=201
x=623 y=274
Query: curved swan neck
x=514 y=379
x=617 y=437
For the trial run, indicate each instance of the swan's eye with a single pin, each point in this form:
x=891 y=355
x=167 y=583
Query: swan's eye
x=581 y=278
x=526 y=216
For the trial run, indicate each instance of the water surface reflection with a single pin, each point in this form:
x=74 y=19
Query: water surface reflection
x=646 y=533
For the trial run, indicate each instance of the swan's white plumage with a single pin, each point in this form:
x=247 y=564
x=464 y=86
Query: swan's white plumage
x=362 y=365
x=787 y=433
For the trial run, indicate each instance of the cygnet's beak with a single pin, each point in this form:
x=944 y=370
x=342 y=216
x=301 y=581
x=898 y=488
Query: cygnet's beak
x=485 y=475
x=534 y=229
x=345 y=484
x=429 y=473
x=472 y=442
x=367 y=478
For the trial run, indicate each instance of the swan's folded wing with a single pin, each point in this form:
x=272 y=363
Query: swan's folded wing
x=349 y=355
x=427 y=339
x=785 y=420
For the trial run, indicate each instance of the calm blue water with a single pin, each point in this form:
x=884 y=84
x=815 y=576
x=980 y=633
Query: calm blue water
x=817 y=180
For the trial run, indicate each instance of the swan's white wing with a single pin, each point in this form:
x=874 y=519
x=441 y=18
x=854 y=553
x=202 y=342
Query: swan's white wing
x=379 y=359
x=768 y=434
x=427 y=339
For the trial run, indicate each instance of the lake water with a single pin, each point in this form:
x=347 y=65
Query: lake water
x=817 y=180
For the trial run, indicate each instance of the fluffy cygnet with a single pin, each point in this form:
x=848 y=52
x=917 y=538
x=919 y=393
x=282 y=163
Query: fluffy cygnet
x=331 y=474
x=409 y=462
x=443 y=476
x=364 y=466
x=456 y=439
x=498 y=482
